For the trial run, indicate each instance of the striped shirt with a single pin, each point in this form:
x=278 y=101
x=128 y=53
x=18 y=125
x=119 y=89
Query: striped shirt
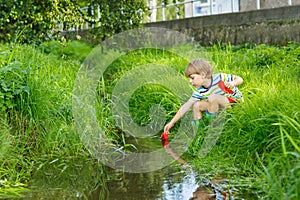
x=217 y=87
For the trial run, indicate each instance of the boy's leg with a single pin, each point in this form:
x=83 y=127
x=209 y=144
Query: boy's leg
x=197 y=123
x=215 y=116
x=207 y=131
x=198 y=108
x=216 y=102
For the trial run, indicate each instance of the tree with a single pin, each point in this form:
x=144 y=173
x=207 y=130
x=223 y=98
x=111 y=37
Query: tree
x=118 y=16
x=29 y=21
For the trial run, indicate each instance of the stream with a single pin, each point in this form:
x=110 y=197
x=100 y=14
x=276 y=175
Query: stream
x=75 y=178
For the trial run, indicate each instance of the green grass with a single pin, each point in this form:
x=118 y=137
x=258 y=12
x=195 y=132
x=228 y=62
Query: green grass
x=36 y=109
x=261 y=136
x=258 y=150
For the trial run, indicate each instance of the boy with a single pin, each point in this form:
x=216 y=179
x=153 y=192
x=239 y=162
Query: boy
x=213 y=92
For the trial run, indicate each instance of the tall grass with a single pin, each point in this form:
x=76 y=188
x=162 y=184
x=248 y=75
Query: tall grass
x=263 y=133
x=35 y=109
x=261 y=136
x=145 y=96
x=260 y=139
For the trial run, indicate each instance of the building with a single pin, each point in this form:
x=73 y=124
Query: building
x=210 y=7
x=194 y=8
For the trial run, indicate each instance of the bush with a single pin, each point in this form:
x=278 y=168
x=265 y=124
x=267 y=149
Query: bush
x=74 y=50
x=33 y=21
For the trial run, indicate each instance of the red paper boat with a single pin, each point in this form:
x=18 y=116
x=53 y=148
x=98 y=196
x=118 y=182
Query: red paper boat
x=164 y=136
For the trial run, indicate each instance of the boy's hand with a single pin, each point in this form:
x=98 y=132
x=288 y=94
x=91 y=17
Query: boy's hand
x=229 y=84
x=168 y=127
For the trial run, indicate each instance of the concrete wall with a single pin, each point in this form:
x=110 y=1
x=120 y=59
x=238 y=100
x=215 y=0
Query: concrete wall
x=247 y=5
x=268 y=26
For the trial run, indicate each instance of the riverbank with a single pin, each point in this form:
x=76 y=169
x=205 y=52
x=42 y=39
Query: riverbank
x=259 y=148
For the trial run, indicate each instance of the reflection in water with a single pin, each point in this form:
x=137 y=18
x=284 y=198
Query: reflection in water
x=166 y=184
x=184 y=189
x=181 y=190
x=67 y=178
x=206 y=191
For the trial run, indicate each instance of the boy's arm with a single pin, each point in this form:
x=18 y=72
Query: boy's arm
x=182 y=110
x=237 y=81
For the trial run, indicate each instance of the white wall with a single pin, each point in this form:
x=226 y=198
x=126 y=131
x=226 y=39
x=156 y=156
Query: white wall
x=207 y=7
x=227 y=6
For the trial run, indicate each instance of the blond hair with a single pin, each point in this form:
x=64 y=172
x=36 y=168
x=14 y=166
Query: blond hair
x=198 y=66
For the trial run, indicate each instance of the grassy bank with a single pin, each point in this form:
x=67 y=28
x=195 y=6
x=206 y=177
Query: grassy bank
x=260 y=143
x=260 y=139
x=36 y=118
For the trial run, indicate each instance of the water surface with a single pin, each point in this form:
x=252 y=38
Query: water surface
x=87 y=178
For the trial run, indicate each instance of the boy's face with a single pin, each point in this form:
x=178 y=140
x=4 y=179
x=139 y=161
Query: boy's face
x=197 y=80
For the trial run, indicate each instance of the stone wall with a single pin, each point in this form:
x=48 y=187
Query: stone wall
x=269 y=26
x=246 y=5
